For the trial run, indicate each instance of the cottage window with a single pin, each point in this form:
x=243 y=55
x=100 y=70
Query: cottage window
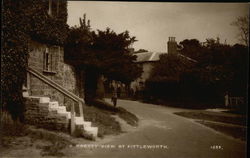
x=47 y=60
x=50 y=59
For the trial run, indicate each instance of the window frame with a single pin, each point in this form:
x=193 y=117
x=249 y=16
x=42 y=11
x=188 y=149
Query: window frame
x=51 y=5
x=48 y=61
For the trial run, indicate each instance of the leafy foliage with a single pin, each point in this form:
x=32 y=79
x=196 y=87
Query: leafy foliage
x=100 y=53
x=165 y=78
x=13 y=58
x=174 y=66
x=242 y=23
x=219 y=68
x=105 y=52
x=191 y=48
x=45 y=28
x=116 y=61
x=24 y=20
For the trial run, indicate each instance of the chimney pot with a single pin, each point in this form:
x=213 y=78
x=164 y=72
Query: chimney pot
x=172 y=45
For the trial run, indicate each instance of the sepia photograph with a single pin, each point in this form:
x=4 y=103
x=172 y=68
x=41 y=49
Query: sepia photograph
x=124 y=79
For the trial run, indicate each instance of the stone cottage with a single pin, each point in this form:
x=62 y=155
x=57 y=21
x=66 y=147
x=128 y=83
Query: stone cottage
x=49 y=62
x=54 y=90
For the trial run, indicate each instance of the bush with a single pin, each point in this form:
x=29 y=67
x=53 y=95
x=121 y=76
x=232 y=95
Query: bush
x=10 y=127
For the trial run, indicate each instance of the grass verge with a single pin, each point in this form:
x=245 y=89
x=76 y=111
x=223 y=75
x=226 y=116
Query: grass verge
x=101 y=116
x=229 y=124
x=215 y=116
x=17 y=135
x=102 y=119
x=127 y=116
x=234 y=131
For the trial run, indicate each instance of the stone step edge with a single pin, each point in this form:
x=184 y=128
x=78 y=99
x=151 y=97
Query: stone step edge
x=88 y=131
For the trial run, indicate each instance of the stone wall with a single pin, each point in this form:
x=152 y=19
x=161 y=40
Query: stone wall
x=61 y=73
x=38 y=114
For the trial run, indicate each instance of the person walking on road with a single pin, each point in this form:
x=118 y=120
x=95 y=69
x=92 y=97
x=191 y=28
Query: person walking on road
x=226 y=99
x=114 y=96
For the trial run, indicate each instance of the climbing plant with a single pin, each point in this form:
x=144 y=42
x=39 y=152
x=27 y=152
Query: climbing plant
x=22 y=21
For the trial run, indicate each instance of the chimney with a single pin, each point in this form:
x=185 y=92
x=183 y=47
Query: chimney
x=172 y=45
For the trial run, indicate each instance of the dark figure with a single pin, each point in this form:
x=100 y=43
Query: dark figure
x=131 y=92
x=226 y=99
x=114 y=96
x=119 y=92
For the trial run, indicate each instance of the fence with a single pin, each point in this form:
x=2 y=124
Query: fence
x=233 y=101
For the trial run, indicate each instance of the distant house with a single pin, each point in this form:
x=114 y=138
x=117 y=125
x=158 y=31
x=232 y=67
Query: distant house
x=148 y=59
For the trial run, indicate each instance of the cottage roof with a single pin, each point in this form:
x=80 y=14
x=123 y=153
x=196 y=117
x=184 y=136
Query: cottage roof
x=155 y=56
x=148 y=56
x=190 y=59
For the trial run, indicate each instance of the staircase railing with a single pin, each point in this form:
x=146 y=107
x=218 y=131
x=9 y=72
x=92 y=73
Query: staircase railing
x=64 y=91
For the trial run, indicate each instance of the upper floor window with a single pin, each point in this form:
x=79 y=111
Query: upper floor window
x=50 y=8
x=53 y=7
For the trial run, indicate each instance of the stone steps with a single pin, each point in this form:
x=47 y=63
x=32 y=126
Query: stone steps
x=54 y=109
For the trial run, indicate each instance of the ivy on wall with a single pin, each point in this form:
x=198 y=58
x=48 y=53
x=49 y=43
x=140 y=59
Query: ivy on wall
x=45 y=28
x=22 y=21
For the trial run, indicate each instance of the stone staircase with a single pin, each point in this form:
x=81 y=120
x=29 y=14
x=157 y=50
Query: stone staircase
x=42 y=112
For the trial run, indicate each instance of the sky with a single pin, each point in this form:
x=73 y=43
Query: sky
x=153 y=22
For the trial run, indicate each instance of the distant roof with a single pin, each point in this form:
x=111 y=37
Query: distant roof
x=155 y=56
x=148 y=56
x=190 y=59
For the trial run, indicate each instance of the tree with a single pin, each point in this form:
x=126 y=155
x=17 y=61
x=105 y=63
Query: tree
x=191 y=48
x=101 y=53
x=13 y=59
x=115 y=61
x=242 y=23
x=170 y=66
x=238 y=63
x=166 y=75
x=219 y=68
